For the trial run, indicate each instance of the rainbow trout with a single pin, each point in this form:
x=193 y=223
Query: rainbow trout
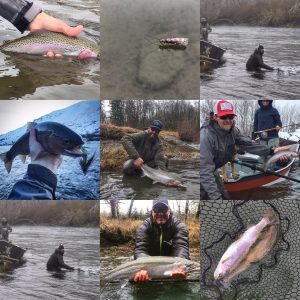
x=250 y=248
x=41 y=42
x=272 y=161
x=158 y=268
x=164 y=177
x=55 y=139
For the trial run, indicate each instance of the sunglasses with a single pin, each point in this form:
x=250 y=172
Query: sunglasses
x=155 y=130
x=230 y=117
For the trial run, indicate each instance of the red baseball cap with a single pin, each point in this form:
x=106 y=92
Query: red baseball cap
x=223 y=108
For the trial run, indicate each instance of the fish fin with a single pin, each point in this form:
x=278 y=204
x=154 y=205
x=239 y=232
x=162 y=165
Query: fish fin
x=23 y=158
x=154 y=182
x=7 y=162
x=30 y=125
x=226 y=259
x=272 y=216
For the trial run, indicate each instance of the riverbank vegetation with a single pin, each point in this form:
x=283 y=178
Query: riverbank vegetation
x=252 y=12
x=52 y=213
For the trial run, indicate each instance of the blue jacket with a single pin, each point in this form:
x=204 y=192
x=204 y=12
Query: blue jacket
x=19 y=12
x=39 y=183
x=266 y=118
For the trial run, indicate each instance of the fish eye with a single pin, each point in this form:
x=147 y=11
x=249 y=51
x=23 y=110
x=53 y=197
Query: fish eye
x=66 y=142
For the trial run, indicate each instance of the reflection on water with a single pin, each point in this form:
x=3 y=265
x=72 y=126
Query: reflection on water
x=232 y=80
x=116 y=186
x=33 y=77
x=72 y=184
x=133 y=66
x=33 y=281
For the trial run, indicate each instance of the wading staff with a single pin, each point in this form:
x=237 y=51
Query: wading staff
x=254 y=168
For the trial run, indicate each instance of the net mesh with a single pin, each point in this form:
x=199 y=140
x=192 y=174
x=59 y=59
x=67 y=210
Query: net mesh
x=274 y=277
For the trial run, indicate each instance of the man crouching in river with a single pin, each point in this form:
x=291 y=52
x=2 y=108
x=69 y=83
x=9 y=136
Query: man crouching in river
x=217 y=139
x=161 y=235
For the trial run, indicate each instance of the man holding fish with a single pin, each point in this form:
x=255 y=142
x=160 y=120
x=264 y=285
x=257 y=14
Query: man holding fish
x=161 y=235
x=144 y=147
x=218 y=136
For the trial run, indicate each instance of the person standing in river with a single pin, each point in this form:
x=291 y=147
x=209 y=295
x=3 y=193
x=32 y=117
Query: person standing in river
x=256 y=62
x=205 y=29
x=56 y=260
x=5 y=229
x=144 y=147
x=218 y=137
x=161 y=235
x=267 y=117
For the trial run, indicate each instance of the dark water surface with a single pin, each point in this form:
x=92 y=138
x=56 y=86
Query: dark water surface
x=148 y=290
x=34 y=77
x=116 y=186
x=72 y=184
x=33 y=281
x=232 y=81
x=132 y=66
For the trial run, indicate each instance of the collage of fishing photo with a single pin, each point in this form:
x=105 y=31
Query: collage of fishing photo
x=169 y=174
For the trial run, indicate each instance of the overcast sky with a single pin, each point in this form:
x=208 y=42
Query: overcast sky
x=16 y=113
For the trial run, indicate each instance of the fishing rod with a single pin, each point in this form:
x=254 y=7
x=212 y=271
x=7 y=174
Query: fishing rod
x=270 y=129
x=254 y=168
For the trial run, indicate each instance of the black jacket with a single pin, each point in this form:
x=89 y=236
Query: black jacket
x=255 y=62
x=39 y=183
x=56 y=262
x=174 y=240
x=266 y=118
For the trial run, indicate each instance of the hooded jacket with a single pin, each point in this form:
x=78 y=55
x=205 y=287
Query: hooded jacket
x=216 y=149
x=170 y=239
x=266 y=118
x=139 y=145
x=19 y=12
x=255 y=62
x=56 y=262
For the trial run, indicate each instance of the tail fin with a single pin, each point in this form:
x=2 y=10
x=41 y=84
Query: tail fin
x=272 y=216
x=7 y=162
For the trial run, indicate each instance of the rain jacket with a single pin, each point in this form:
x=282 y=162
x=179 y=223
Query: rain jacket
x=56 y=262
x=4 y=231
x=139 y=145
x=255 y=62
x=39 y=183
x=265 y=118
x=216 y=149
x=19 y=12
x=170 y=239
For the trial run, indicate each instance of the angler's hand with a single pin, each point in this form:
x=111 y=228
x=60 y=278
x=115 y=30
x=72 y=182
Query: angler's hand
x=141 y=276
x=277 y=127
x=40 y=157
x=46 y=22
x=283 y=148
x=138 y=162
x=178 y=274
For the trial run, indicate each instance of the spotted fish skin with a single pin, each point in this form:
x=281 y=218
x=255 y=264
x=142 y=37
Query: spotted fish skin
x=41 y=42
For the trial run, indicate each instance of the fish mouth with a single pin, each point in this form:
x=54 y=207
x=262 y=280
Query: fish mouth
x=75 y=152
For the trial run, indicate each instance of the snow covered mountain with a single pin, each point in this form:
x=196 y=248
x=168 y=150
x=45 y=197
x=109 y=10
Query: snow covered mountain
x=82 y=117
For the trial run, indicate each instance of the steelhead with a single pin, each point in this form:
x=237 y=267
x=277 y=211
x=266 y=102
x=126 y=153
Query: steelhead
x=161 y=176
x=41 y=42
x=250 y=248
x=272 y=161
x=55 y=139
x=158 y=268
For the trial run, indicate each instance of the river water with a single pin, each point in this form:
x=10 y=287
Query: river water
x=33 y=77
x=72 y=184
x=132 y=66
x=116 y=186
x=111 y=258
x=33 y=281
x=232 y=81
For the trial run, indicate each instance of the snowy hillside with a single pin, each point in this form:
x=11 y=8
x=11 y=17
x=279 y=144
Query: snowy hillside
x=82 y=117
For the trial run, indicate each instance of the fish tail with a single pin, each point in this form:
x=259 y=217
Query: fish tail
x=7 y=162
x=272 y=217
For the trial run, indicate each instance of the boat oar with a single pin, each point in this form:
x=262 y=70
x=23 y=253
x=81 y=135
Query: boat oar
x=254 y=168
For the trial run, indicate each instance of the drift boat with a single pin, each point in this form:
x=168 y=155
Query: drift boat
x=10 y=255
